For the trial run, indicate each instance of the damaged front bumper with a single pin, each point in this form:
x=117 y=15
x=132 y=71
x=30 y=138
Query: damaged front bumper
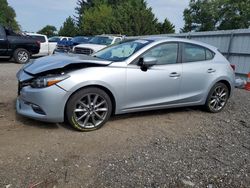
x=45 y=104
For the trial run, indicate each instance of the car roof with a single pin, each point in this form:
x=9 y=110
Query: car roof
x=174 y=39
x=35 y=34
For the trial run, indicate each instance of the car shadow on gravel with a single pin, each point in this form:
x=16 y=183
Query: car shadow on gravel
x=156 y=112
x=34 y=123
x=45 y=125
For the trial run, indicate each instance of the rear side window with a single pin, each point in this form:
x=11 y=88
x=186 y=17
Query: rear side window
x=39 y=38
x=193 y=53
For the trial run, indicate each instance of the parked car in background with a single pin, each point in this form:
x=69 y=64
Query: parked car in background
x=17 y=46
x=54 y=40
x=97 y=43
x=45 y=48
x=67 y=46
x=137 y=75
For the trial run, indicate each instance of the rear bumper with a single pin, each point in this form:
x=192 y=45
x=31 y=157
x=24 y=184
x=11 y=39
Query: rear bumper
x=45 y=104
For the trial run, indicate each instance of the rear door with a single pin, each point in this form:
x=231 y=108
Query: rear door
x=198 y=72
x=160 y=84
x=3 y=42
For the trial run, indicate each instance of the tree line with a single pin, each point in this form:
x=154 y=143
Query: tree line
x=134 y=17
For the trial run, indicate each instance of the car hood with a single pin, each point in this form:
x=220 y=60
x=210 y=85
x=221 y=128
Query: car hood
x=60 y=61
x=95 y=47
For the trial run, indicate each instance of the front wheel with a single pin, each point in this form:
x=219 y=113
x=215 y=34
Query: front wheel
x=217 y=98
x=21 y=56
x=89 y=109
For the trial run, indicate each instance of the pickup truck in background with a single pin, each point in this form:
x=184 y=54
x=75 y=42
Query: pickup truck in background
x=17 y=46
x=97 y=43
x=45 y=48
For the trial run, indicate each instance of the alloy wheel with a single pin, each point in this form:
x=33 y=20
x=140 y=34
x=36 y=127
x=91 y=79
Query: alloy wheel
x=218 y=98
x=23 y=56
x=90 y=111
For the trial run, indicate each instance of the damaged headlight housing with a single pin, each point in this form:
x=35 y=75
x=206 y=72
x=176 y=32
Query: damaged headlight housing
x=47 y=81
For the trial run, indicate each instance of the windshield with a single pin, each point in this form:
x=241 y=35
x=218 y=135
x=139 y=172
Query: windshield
x=101 y=40
x=122 y=51
x=54 y=39
x=80 y=39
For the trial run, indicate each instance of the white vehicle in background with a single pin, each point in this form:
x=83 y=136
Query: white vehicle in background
x=96 y=44
x=44 y=44
x=54 y=40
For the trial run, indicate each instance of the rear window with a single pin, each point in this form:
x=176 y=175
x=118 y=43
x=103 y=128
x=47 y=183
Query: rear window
x=38 y=38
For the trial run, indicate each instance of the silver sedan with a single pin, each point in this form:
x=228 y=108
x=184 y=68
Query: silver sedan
x=135 y=75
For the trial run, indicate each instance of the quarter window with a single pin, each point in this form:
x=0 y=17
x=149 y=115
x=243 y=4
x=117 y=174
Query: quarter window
x=209 y=55
x=164 y=53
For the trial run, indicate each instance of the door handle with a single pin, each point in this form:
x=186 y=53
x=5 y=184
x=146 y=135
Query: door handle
x=174 y=74
x=211 y=70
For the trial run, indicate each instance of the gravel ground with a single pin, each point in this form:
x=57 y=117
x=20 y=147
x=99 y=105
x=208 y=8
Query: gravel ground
x=183 y=147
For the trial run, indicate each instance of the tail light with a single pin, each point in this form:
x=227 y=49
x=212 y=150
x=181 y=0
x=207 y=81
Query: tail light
x=233 y=67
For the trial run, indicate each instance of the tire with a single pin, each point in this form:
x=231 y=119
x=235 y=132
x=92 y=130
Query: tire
x=217 y=98
x=21 y=56
x=88 y=109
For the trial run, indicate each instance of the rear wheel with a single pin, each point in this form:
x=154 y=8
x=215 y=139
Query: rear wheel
x=217 y=98
x=21 y=56
x=89 y=109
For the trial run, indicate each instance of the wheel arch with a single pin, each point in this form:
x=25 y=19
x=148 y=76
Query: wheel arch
x=110 y=94
x=227 y=83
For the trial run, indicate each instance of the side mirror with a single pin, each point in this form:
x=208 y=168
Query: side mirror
x=147 y=62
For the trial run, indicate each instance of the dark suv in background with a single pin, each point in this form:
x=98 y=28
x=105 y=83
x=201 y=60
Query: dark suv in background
x=67 y=46
x=17 y=46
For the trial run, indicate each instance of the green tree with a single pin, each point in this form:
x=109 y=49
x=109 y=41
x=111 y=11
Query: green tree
x=200 y=16
x=8 y=16
x=97 y=20
x=209 y=15
x=167 y=27
x=69 y=28
x=48 y=30
x=234 y=14
x=133 y=17
x=130 y=17
x=81 y=6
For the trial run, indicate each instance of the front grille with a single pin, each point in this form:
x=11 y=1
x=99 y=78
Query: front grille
x=63 y=48
x=85 y=51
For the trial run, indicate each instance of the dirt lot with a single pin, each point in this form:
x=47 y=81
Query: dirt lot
x=184 y=147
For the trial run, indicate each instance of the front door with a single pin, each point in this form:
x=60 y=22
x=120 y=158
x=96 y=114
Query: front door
x=160 y=84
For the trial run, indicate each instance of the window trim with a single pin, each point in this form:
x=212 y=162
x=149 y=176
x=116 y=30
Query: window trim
x=205 y=48
x=135 y=61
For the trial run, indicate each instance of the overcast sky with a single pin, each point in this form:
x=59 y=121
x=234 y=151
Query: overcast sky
x=32 y=15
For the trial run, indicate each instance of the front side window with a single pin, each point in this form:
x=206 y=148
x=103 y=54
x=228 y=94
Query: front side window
x=164 y=53
x=193 y=53
x=122 y=51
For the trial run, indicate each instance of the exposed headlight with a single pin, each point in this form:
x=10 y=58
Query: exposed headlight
x=47 y=81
